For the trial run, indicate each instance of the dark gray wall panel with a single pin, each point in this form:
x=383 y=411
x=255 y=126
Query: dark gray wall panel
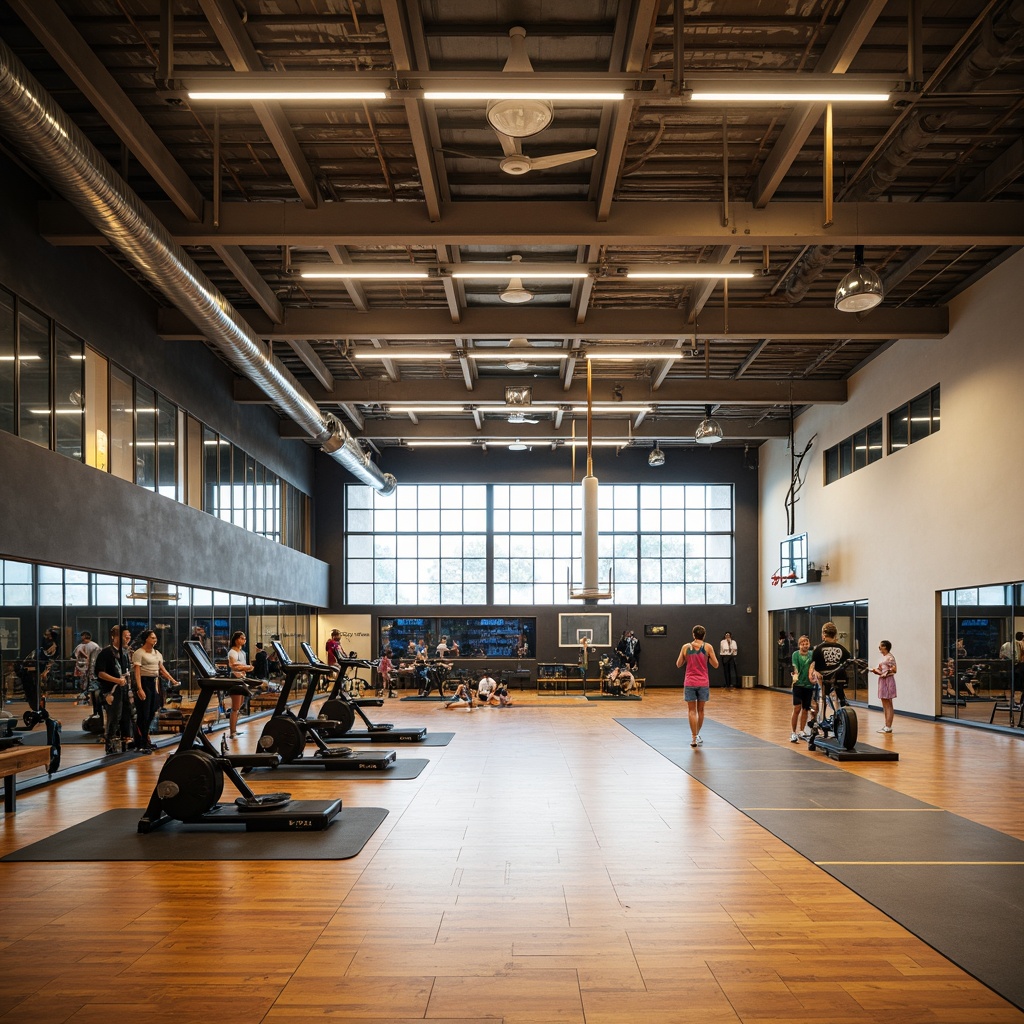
x=59 y=512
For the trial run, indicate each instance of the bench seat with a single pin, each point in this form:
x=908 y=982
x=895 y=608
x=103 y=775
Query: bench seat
x=19 y=759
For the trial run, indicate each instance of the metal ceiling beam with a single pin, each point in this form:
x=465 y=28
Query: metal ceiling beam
x=316 y=366
x=250 y=278
x=545 y=432
x=857 y=21
x=238 y=47
x=602 y=324
x=400 y=35
x=61 y=39
x=670 y=225
x=697 y=391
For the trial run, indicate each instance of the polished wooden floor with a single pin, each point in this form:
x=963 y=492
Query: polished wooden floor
x=546 y=866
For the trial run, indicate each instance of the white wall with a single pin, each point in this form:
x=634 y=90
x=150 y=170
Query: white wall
x=942 y=513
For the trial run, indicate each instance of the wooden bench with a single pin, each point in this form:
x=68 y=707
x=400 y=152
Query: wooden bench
x=19 y=759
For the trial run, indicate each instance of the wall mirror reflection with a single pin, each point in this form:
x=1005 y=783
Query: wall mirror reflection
x=54 y=621
x=981 y=664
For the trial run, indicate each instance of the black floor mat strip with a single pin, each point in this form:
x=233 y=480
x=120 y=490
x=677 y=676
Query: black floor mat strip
x=957 y=885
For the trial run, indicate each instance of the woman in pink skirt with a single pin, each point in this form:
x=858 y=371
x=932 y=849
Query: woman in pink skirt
x=886 y=673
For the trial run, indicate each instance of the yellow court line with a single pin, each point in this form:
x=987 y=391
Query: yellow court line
x=925 y=863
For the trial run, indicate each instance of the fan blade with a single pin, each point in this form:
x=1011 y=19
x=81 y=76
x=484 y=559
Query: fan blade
x=557 y=159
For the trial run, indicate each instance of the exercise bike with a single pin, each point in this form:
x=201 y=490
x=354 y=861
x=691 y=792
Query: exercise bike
x=827 y=718
x=287 y=734
x=340 y=709
x=192 y=779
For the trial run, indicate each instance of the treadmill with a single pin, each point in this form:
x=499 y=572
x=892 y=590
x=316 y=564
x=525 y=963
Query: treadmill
x=288 y=734
x=192 y=778
x=342 y=709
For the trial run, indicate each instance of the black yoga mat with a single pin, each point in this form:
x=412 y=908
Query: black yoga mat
x=432 y=739
x=957 y=885
x=401 y=768
x=113 y=836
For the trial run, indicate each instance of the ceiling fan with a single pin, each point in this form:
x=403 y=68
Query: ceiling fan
x=516 y=119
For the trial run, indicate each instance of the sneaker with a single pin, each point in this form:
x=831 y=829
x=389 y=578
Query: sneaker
x=700 y=742
x=693 y=742
x=794 y=737
x=886 y=728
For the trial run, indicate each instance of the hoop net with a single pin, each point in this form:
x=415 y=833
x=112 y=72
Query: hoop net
x=778 y=576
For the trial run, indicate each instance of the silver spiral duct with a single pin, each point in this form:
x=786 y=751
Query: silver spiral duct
x=48 y=139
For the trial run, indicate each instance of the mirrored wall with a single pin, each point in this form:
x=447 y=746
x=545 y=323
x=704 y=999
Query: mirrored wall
x=981 y=670
x=851 y=619
x=45 y=609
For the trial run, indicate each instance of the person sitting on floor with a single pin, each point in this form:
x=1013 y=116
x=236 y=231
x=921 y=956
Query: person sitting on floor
x=486 y=687
x=620 y=682
x=502 y=697
x=462 y=693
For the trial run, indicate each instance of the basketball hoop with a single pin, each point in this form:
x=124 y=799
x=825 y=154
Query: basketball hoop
x=778 y=576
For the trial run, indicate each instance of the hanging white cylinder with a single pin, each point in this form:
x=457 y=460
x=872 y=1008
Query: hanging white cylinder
x=589 y=484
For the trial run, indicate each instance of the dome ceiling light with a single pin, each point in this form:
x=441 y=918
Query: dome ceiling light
x=709 y=431
x=861 y=289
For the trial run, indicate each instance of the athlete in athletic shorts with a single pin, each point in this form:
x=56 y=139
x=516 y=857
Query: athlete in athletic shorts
x=696 y=656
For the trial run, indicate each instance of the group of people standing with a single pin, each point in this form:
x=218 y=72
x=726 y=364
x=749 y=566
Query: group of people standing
x=129 y=686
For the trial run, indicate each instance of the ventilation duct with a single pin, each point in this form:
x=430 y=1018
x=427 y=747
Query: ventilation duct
x=48 y=139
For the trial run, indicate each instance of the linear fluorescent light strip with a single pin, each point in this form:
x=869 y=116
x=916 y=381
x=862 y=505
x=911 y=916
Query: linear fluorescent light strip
x=610 y=407
x=789 y=96
x=440 y=444
x=531 y=270
x=364 y=274
x=693 y=273
x=505 y=355
x=286 y=95
x=401 y=353
x=521 y=94
x=442 y=411
x=636 y=353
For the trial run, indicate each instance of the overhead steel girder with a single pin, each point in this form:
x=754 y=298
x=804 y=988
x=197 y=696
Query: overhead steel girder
x=400 y=429
x=697 y=390
x=575 y=223
x=797 y=323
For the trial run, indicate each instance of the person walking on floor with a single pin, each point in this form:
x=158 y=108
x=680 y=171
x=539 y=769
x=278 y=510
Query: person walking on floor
x=147 y=667
x=696 y=656
x=886 y=672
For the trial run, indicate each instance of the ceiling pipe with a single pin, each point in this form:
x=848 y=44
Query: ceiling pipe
x=49 y=140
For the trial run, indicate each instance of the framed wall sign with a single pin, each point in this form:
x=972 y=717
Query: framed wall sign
x=655 y=629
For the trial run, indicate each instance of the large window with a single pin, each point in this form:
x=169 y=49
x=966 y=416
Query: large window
x=422 y=544
x=664 y=544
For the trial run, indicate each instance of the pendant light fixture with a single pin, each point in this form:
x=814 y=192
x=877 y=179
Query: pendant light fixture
x=861 y=289
x=657 y=456
x=515 y=292
x=709 y=431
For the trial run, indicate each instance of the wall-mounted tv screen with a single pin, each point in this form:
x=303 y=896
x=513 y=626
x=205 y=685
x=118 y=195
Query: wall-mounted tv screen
x=500 y=636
